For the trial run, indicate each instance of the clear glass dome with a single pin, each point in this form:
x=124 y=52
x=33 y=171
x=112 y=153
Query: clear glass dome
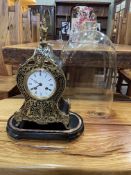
x=90 y=66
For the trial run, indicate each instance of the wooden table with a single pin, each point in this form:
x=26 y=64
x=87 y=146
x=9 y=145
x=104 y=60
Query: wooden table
x=124 y=75
x=17 y=54
x=103 y=149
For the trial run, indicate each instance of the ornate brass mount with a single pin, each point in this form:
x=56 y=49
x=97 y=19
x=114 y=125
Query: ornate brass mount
x=43 y=30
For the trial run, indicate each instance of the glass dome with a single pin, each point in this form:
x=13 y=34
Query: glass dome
x=90 y=66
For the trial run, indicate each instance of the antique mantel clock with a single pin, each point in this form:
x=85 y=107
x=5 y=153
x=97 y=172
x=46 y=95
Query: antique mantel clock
x=45 y=114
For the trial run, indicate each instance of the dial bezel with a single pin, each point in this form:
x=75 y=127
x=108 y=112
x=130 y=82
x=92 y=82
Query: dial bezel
x=29 y=92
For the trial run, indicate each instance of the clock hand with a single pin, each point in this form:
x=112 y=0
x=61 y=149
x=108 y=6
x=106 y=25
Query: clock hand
x=35 y=81
x=40 y=84
x=46 y=88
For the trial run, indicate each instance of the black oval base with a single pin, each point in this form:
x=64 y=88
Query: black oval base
x=56 y=131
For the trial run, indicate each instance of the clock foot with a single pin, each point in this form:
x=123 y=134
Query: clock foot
x=54 y=131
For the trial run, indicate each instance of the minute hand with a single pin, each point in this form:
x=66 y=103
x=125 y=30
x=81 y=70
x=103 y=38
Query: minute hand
x=35 y=81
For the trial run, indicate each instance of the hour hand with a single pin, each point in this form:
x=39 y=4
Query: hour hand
x=40 y=84
x=47 y=89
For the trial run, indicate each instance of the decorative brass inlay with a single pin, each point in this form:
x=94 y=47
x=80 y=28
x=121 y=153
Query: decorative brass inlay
x=41 y=111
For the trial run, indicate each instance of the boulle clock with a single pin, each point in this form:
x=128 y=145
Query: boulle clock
x=45 y=114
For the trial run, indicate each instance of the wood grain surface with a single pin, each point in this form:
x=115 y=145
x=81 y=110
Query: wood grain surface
x=7 y=83
x=58 y=45
x=104 y=148
x=17 y=54
x=3 y=33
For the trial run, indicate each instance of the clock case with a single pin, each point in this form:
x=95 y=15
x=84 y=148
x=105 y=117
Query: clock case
x=46 y=118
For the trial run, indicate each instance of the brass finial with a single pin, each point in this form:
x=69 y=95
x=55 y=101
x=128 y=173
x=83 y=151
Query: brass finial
x=43 y=30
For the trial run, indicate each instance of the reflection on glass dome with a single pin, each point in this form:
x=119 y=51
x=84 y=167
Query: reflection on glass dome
x=90 y=66
x=46 y=50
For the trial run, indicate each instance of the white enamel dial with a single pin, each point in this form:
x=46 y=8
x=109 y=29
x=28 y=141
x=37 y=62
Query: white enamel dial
x=41 y=84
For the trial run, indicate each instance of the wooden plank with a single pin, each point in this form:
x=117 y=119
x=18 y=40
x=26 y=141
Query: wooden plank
x=35 y=19
x=3 y=33
x=83 y=1
x=119 y=28
x=128 y=31
x=127 y=74
x=12 y=32
x=26 y=30
x=123 y=30
x=15 y=24
x=3 y=70
x=13 y=105
x=9 y=69
x=101 y=149
x=18 y=16
x=3 y=95
x=19 y=29
x=24 y=51
x=120 y=113
x=7 y=83
x=5 y=22
x=56 y=45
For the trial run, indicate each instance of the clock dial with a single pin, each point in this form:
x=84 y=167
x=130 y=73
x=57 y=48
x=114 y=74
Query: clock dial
x=41 y=84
